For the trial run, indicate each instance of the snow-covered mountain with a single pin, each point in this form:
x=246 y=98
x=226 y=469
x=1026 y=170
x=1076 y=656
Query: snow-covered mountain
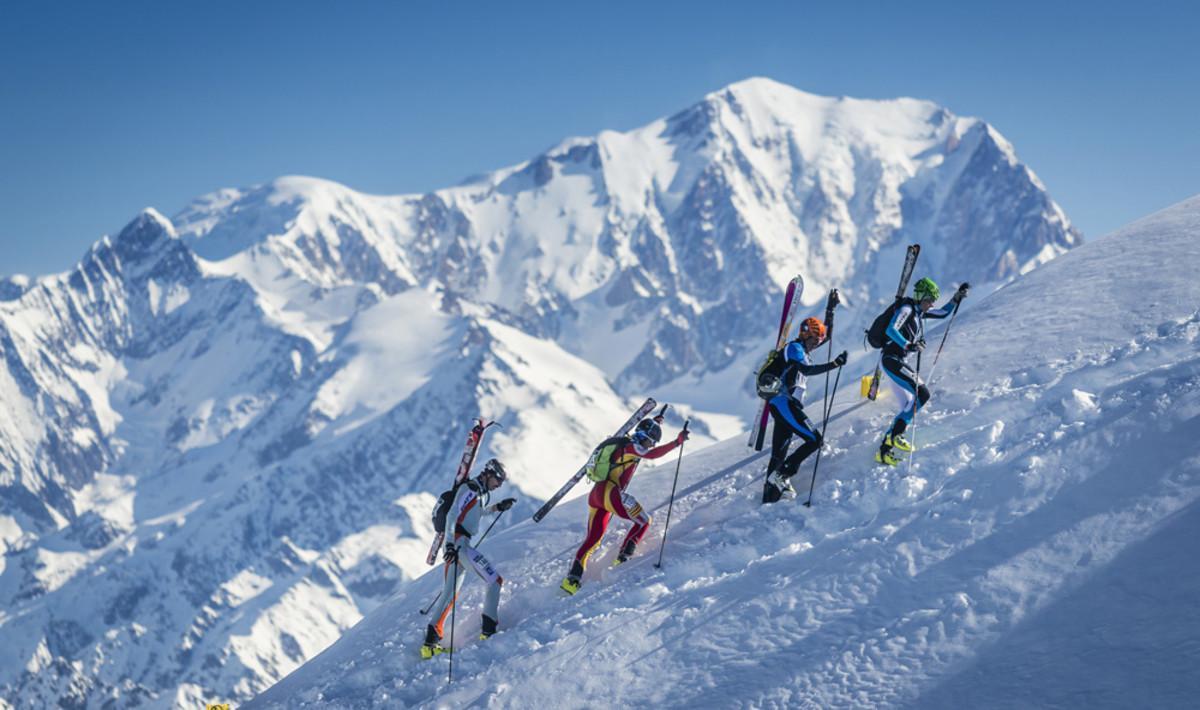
x=223 y=430
x=1038 y=554
x=671 y=235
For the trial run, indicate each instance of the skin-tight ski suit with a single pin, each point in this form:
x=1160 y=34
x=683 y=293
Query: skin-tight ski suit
x=787 y=412
x=908 y=326
x=609 y=498
x=465 y=513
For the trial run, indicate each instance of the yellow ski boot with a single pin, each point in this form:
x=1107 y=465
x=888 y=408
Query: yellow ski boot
x=570 y=585
x=899 y=443
x=886 y=458
x=430 y=650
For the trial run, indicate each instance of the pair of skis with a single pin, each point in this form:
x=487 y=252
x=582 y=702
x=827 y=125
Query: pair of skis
x=791 y=303
x=474 y=439
x=642 y=411
x=910 y=262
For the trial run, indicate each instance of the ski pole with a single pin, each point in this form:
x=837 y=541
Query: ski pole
x=916 y=406
x=824 y=426
x=453 y=608
x=671 y=504
x=481 y=537
x=832 y=303
x=945 y=334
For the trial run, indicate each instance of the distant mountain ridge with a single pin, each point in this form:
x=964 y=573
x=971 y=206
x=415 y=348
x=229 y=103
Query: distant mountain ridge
x=222 y=429
x=686 y=224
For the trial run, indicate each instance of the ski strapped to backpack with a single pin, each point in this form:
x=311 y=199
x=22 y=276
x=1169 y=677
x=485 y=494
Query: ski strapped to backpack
x=877 y=333
x=647 y=407
x=446 y=499
x=774 y=360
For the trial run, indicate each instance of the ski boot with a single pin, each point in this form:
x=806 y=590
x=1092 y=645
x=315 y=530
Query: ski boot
x=489 y=628
x=432 y=646
x=898 y=442
x=776 y=487
x=428 y=652
x=626 y=553
x=570 y=584
x=885 y=456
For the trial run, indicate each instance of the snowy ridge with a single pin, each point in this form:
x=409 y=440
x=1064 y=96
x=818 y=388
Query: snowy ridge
x=223 y=430
x=1037 y=555
x=677 y=229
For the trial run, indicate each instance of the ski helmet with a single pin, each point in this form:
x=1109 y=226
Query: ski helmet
x=495 y=468
x=649 y=429
x=926 y=289
x=812 y=327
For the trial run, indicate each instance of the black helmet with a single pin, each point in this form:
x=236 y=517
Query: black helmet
x=649 y=429
x=495 y=468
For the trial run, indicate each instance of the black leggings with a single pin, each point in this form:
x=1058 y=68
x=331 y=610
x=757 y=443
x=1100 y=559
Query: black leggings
x=790 y=419
x=912 y=396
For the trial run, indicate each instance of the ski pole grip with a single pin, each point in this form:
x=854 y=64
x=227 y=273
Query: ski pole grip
x=685 y=424
x=662 y=412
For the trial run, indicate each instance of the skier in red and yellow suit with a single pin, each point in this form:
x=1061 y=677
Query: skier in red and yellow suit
x=609 y=498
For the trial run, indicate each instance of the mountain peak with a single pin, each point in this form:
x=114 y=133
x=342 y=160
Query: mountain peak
x=766 y=89
x=140 y=236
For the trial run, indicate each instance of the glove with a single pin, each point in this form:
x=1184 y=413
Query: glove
x=505 y=504
x=683 y=436
x=841 y=359
x=451 y=554
x=916 y=346
x=961 y=293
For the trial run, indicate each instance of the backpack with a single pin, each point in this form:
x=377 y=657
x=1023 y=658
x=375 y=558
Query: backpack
x=769 y=379
x=600 y=464
x=442 y=509
x=877 y=333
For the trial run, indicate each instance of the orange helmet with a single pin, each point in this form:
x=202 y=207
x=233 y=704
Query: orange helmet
x=812 y=327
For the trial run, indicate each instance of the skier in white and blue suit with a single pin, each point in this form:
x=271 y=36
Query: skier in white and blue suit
x=462 y=523
x=787 y=410
x=906 y=334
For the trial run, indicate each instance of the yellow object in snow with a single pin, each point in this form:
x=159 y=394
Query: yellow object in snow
x=864 y=389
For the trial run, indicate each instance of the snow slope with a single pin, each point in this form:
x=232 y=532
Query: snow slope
x=1037 y=554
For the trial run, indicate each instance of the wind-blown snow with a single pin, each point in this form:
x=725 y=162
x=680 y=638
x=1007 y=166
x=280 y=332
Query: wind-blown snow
x=1036 y=555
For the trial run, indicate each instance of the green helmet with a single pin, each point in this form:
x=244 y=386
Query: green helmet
x=926 y=288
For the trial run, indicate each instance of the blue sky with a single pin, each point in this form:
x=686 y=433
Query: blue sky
x=106 y=108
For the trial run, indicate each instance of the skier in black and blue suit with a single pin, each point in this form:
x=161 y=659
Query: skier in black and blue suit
x=906 y=334
x=787 y=409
